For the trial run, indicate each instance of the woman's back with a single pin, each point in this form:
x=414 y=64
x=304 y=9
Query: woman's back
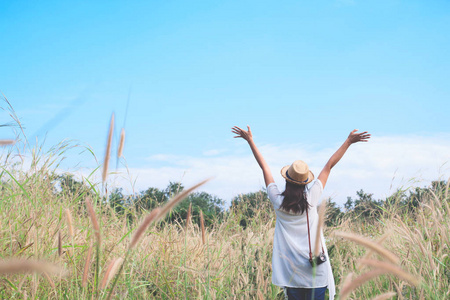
x=290 y=260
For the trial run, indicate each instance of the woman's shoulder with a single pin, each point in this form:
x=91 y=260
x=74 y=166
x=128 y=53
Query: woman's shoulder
x=315 y=184
x=315 y=190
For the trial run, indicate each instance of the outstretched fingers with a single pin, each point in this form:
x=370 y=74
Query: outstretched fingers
x=364 y=136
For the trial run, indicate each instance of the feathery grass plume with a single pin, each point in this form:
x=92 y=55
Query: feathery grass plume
x=369 y=252
x=202 y=225
x=321 y=212
x=385 y=296
x=393 y=269
x=188 y=217
x=59 y=244
x=347 y=279
x=358 y=281
x=369 y=244
x=105 y=277
x=7 y=142
x=175 y=200
x=111 y=271
x=93 y=218
x=15 y=266
x=87 y=264
x=108 y=150
x=69 y=222
x=141 y=229
x=121 y=143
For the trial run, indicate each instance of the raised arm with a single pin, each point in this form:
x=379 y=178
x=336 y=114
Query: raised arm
x=353 y=137
x=247 y=135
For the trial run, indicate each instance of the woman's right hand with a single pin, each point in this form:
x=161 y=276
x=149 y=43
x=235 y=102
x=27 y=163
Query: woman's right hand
x=240 y=133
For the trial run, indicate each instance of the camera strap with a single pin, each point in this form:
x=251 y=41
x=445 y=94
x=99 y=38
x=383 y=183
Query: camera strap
x=309 y=238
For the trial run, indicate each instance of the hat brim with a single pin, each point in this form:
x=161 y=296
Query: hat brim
x=283 y=173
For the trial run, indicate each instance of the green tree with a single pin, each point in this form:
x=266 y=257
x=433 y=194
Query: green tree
x=117 y=200
x=67 y=186
x=211 y=206
x=250 y=206
x=334 y=213
x=150 y=199
x=364 y=206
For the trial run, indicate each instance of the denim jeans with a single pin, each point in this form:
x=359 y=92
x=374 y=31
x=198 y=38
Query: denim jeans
x=305 y=294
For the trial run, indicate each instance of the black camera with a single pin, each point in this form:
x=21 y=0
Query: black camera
x=318 y=260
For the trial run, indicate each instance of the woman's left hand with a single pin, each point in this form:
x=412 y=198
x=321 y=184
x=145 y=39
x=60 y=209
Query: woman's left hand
x=246 y=135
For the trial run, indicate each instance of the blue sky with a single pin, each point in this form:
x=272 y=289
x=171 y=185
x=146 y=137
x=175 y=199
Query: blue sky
x=301 y=73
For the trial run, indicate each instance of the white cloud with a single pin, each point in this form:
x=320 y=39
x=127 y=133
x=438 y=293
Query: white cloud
x=379 y=167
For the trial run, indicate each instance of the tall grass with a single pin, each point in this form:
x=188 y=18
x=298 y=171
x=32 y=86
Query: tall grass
x=172 y=261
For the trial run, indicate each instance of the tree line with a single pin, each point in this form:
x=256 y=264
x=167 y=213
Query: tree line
x=246 y=207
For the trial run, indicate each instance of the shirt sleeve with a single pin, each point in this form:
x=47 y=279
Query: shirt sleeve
x=274 y=195
x=315 y=192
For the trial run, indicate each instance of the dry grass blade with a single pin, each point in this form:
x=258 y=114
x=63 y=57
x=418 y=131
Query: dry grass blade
x=385 y=296
x=87 y=264
x=202 y=225
x=7 y=142
x=358 y=281
x=175 y=200
x=69 y=222
x=108 y=150
x=15 y=266
x=121 y=143
x=93 y=218
x=369 y=244
x=188 y=217
x=322 y=209
x=393 y=269
x=141 y=229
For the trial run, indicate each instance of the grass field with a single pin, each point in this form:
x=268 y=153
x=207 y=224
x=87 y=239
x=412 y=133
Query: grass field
x=52 y=247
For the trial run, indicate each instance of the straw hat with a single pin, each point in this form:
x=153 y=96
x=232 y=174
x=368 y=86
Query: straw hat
x=297 y=173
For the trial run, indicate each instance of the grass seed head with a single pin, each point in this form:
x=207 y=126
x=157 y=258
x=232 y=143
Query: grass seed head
x=7 y=142
x=358 y=281
x=188 y=217
x=111 y=271
x=392 y=269
x=93 y=218
x=87 y=264
x=121 y=143
x=385 y=296
x=108 y=150
x=15 y=266
x=202 y=225
x=70 y=222
x=369 y=244
x=320 y=223
x=152 y=216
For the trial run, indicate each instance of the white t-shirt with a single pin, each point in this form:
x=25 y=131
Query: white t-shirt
x=290 y=258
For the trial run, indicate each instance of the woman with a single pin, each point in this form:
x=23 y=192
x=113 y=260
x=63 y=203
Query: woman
x=296 y=223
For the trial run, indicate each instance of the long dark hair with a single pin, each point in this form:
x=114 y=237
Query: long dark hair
x=294 y=198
